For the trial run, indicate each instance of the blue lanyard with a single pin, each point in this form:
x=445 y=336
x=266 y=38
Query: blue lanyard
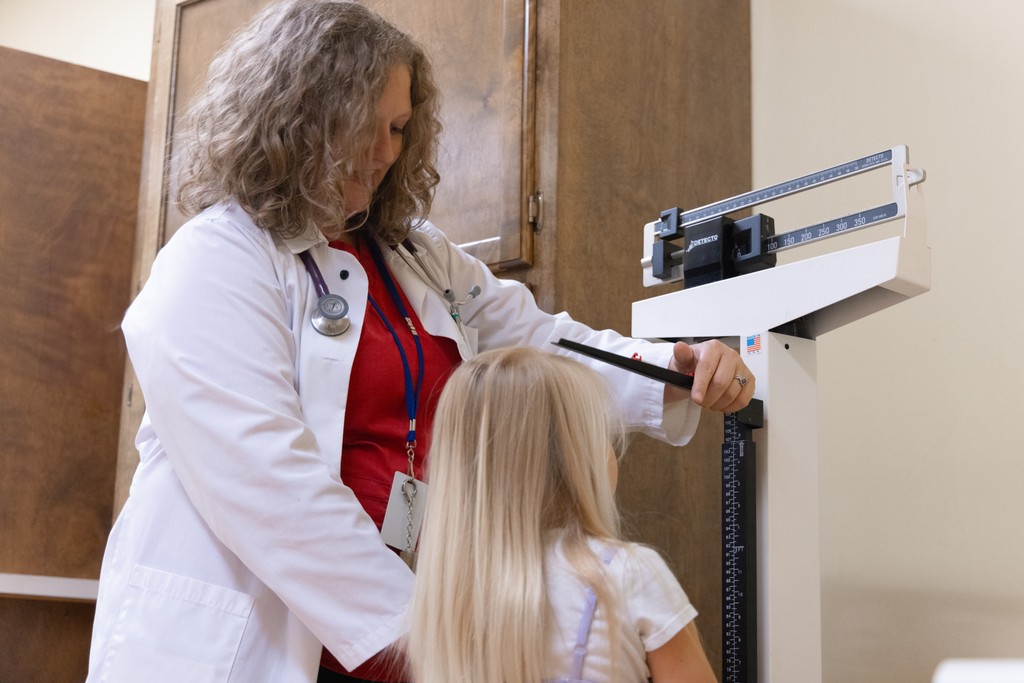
x=412 y=396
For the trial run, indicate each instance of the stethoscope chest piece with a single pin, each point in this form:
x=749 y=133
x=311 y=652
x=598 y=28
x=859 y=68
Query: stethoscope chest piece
x=331 y=315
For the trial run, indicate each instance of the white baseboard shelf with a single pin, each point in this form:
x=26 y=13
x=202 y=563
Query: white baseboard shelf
x=58 y=588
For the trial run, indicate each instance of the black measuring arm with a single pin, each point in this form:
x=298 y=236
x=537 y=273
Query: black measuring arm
x=714 y=249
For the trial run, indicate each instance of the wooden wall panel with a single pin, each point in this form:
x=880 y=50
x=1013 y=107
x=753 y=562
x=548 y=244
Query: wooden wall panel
x=70 y=152
x=44 y=642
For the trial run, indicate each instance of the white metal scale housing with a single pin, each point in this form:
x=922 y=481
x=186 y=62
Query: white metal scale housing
x=824 y=292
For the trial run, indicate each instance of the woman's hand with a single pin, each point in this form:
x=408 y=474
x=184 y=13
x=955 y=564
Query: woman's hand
x=721 y=381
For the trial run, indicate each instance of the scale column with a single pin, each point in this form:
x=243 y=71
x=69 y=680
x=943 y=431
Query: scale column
x=788 y=544
x=739 y=545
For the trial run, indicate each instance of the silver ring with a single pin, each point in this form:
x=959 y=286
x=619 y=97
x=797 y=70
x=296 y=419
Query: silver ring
x=741 y=380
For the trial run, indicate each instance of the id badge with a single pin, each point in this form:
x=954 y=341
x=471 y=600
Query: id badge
x=404 y=515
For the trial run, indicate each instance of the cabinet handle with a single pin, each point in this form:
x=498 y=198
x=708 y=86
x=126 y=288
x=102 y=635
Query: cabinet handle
x=535 y=210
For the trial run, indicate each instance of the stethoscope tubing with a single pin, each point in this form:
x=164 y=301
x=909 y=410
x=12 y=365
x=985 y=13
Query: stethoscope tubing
x=314 y=273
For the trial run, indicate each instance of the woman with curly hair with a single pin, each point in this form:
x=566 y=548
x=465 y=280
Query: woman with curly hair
x=290 y=344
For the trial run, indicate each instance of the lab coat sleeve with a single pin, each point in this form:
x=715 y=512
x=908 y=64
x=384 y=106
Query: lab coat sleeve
x=210 y=342
x=505 y=313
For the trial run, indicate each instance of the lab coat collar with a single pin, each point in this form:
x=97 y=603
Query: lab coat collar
x=307 y=240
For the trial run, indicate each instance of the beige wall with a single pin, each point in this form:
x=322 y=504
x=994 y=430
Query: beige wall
x=922 y=432
x=108 y=35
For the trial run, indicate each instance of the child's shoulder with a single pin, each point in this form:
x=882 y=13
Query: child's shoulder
x=628 y=555
x=620 y=557
x=624 y=550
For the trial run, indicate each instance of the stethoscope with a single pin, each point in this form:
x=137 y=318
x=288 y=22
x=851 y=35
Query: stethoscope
x=330 y=317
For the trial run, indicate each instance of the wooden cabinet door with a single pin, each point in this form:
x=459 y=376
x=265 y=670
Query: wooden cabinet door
x=481 y=52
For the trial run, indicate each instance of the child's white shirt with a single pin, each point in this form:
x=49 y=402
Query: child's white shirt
x=655 y=609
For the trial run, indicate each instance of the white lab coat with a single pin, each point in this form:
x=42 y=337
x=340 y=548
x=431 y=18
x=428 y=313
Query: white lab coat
x=239 y=550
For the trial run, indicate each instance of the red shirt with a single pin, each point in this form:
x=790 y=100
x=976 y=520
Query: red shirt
x=376 y=418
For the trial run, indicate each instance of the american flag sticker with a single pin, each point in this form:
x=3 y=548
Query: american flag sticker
x=753 y=344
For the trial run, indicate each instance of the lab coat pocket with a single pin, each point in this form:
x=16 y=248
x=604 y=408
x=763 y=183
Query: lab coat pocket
x=176 y=628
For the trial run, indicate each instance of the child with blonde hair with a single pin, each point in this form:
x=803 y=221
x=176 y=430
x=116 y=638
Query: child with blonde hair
x=522 y=576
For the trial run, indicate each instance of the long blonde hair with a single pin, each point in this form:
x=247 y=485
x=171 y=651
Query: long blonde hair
x=287 y=111
x=520 y=449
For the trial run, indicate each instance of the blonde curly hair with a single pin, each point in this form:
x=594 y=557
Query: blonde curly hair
x=288 y=110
